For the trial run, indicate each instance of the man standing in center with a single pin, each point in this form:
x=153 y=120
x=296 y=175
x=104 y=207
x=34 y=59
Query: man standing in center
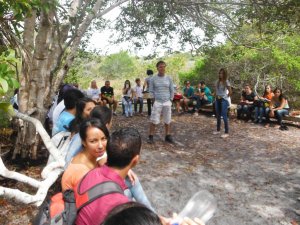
x=161 y=88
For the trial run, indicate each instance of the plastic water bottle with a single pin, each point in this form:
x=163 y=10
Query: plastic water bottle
x=202 y=205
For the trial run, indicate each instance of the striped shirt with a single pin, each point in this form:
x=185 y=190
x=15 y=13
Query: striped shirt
x=161 y=87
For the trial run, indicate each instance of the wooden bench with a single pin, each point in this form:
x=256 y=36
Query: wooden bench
x=209 y=108
x=292 y=118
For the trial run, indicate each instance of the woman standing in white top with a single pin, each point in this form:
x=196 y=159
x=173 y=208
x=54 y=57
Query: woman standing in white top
x=223 y=92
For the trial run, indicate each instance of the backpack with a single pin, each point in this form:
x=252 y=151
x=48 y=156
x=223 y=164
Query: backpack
x=62 y=208
x=61 y=141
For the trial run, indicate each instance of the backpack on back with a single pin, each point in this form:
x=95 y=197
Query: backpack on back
x=62 y=208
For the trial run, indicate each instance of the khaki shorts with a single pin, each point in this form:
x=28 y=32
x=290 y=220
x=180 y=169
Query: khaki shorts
x=161 y=108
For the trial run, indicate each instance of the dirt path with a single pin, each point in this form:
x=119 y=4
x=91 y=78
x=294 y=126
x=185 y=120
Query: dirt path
x=254 y=174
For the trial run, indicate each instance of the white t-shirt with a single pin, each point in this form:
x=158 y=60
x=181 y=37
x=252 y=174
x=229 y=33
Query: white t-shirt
x=138 y=91
x=93 y=93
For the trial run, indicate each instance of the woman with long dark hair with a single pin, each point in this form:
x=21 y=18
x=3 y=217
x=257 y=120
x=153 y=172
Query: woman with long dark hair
x=223 y=92
x=279 y=108
x=127 y=98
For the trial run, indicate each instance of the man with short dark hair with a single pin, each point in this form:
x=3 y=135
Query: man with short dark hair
x=162 y=89
x=188 y=96
x=203 y=95
x=107 y=96
x=147 y=95
x=123 y=152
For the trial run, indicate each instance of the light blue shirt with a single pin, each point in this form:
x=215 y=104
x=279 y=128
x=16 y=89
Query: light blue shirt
x=63 y=121
x=74 y=148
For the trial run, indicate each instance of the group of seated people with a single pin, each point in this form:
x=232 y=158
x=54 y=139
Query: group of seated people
x=130 y=96
x=104 y=96
x=93 y=156
x=192 y=97
x=270 y=104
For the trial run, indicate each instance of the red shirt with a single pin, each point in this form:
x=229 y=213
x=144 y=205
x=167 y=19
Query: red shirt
x=96 y=211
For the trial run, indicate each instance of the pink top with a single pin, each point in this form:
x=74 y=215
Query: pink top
x=96 y=211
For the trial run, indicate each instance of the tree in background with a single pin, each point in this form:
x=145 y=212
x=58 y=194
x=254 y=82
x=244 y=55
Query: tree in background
x=117 y=66
x=47 y=34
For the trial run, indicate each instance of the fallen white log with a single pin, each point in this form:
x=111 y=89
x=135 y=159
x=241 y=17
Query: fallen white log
x=45 y=137
x=40 y=195
x=18 y=176
x=50 y=173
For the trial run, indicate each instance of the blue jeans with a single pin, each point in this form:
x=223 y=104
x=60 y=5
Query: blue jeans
x=200 y=102
x=136 y=191
x=279 y=114
x=221 y=110
x=138 y=101
x=259 y=113
x=244 y=109
x=128 y=107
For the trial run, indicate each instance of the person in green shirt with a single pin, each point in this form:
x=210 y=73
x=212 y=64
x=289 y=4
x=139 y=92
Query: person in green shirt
x=203 y=95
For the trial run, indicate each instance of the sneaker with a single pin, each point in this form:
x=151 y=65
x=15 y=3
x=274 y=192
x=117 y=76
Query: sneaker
x=196 y=114
x=169 y=139
x=114 y=113
x=224 y=135
x=283 y=127
x=216 y=132
x=151 y=140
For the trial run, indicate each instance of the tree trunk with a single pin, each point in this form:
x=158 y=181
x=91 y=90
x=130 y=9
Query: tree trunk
x=35 y=80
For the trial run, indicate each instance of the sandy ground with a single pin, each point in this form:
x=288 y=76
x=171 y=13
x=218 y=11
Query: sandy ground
x=254 y=174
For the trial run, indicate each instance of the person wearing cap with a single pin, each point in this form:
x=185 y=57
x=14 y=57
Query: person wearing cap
x=188 y=96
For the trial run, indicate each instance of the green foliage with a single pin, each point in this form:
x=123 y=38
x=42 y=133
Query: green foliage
x=6 y=113
x=7 y=80
x=117 y=66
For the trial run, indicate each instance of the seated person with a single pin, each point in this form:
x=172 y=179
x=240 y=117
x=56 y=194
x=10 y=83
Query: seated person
x=246 y=104
x=100 y=112
x=107 y=96
x=176 y=100
x=78 y=150
x=138 y=96
x=128 y=93
x=93 y=92
x=188 y=96
x=71 y=97
x=262 y=103
x=279 y=107
x=203 y=95
x=123 y=152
